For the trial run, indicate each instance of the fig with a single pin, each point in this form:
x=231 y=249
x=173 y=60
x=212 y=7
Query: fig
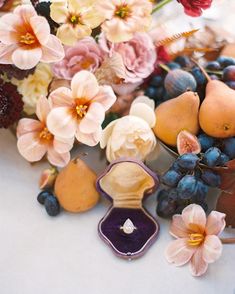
x=188 y=143
x=179 y=81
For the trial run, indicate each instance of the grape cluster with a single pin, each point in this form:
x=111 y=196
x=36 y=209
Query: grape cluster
x=216 y=152
x=47 y=198
x=185 y=183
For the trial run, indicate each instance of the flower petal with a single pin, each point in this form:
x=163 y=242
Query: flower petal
x=30 y=147
x=212 y=248
x=93 y=119
x=53 y=50
x=59 y=11
x=67 y=34
x=25 y=11
x=84 y=85
x=215 y=223
x=28 y=125
x=145 y=112
x=194 y=217
x=42 y=108
x=6 y=52
x=178 y=228
x=8 y=33
x=106 y=97
x=146 y=100
x=62 y=145
x=178 y=252
x=106 y=133
x=61 y=123
x=89 y=139
x=41 y=28
x=26 y=59
x=58 y=159
x=198 y=265
x=61 y=97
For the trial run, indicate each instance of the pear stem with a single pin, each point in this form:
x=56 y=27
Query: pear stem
x=228 y=240
x=202 y=69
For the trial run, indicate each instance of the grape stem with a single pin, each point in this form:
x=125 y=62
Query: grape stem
x=165 y=67
x=202 y=69
x=228 y=240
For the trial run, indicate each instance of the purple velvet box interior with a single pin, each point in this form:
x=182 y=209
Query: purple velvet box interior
x=126 y=205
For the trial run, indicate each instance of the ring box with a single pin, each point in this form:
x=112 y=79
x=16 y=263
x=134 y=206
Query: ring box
x=127 y=226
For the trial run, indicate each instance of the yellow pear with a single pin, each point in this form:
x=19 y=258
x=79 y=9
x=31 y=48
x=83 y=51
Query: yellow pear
x=217 y=111
x=175 y=115
x=75 y=187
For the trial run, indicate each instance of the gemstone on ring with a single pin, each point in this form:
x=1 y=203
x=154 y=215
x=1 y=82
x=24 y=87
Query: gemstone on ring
x=128 y=227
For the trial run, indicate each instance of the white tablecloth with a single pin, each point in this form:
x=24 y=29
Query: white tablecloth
x=64 y=255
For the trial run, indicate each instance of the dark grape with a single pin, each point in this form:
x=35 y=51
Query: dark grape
x=211 y=178
x=213 y=65
x=183 y=61
x=156 y=81
x=43 y=195
x=212 y=157
x=225 y=61
x=229 y=73
x=166 y=208
x=201 y=191
x=206 y=141
x=171 y=178
x=187 y=187
x=229 y=147
x=173 y=65
x=231 y=84
x=52 y=206
x=199 y=76
x=188 y=161
x=223 y=159
x=151 y=92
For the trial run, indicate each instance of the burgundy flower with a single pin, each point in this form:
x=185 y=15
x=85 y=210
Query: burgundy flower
x=195 y=7
x=11 y=104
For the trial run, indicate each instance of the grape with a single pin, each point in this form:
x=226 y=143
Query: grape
x=229 y=147
x=173 y=65
x=213 y=65
x=212 y=157
x=201 y=191
x=199 y=76
x=171 y=178
x=231 y=84
x=150 y=92
x=166 y=208
x=223 y=159
x=188 y=161
x=156 y=81
x=162 y=194
x=225 y=61
x=229 y=73
x=184 y=61
x=206 y=141
x=211 y=178
x=187 y=187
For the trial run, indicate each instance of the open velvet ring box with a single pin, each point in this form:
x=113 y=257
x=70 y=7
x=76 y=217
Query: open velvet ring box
x=127 y=227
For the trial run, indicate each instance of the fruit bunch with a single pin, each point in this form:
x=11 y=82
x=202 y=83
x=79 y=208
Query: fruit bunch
x=47 y=198
x=185 y=183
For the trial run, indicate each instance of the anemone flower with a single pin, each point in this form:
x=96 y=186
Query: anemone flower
x=197 y=238
x=25 y=39
x=35 y=140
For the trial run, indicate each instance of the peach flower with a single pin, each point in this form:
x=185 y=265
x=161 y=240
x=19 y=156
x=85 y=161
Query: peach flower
x=25 y=39
x=138 y=57
x=197 y=238
x=77 y=19
x=35 y=140
x=85 y=54
x=123 y=18
x=80 y=111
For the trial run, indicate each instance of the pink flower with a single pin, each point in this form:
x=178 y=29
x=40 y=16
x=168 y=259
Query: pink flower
x=85 y=54
x=138 y=56
x=194 y=8
x=35 y=140
x=25 y=39
x=124 y=18
x=80 y=111
x=197 y=238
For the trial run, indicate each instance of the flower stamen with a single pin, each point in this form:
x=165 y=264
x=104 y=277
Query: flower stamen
x=27 y=39
x=122 y=11
x=45 y=134
x=81 y=110
x=195 y=239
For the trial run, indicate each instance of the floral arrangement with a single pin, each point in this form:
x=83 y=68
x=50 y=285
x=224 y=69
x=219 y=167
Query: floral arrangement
x=91 y=72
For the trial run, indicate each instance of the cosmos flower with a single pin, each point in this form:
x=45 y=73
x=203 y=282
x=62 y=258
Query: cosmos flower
x=25 y=39
x=194 y=8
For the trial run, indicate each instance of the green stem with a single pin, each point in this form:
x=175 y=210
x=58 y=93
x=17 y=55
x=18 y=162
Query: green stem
x=165 y=67
x=160 y=5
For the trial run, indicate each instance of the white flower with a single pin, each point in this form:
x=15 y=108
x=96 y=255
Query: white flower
x=34 y=86
x=131 y=135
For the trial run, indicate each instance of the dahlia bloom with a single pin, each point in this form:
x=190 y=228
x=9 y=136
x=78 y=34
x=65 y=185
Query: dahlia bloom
x=35 y=140
x=76 y=19
x=25 y=39
x=197 y=238
x=194 y=8
x=131 y=135
x=84 y=55
x=123 y=18
x=80 y=111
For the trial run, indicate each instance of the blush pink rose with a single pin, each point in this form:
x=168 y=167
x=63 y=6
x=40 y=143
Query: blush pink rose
x=138 y=55
x=84 y=55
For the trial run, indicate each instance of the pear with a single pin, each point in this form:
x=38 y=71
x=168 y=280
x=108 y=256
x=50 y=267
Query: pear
x=75 y=187
x=175 y=115
x=217 y=111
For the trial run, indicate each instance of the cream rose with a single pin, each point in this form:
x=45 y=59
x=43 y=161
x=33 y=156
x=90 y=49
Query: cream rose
x=34 y=86
x=131 y=135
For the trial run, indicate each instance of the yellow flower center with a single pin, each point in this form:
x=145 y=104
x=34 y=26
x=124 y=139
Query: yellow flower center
x=27 y=39
x=45 y=134
x=122 y=11
x=75 y=19
x=195 y=239
x=86 y=63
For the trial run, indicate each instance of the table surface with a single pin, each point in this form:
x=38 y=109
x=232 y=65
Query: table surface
x=64 y=255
